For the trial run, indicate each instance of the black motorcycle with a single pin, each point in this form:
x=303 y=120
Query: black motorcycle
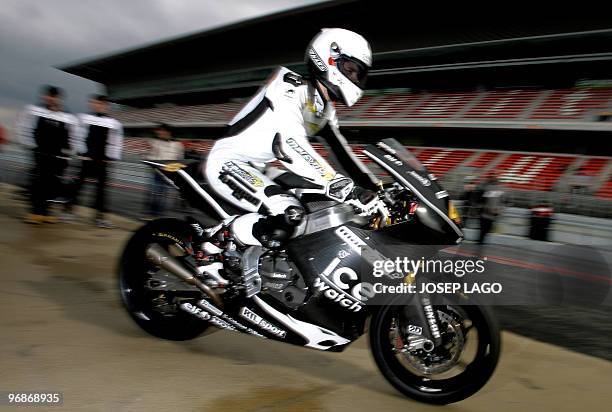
x=179 y=277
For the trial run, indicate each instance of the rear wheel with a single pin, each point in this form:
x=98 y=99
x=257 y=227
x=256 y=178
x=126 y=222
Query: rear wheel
x=450 y=372
x=153 y=307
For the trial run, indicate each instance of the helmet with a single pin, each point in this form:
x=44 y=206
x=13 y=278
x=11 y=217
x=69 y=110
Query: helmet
x=340 y=60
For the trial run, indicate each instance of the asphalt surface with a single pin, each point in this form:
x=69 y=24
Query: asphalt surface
x=64 y=330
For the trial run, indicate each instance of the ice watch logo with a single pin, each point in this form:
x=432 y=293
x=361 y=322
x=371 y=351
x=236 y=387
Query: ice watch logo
x=333 y=284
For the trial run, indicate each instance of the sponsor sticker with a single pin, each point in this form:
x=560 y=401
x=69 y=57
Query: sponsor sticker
x=314 y=56
x=253 y=180
x=343 y=254
x=424 y=181
x=393 y=160
x=217 y=317
x=315 y=164
x=386 y=147
x=415 y=330
x=168 y=236
x=332 y=283
x=261 y=322
x=209 y=307
x=431 y=318
x=194 y=310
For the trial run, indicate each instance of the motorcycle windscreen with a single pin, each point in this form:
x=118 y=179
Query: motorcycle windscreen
x=435 y=210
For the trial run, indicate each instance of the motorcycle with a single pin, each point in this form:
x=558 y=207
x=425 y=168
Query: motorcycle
x=178 y=278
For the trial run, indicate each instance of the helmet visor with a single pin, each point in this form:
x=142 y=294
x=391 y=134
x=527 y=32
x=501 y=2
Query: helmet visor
x=354 y=70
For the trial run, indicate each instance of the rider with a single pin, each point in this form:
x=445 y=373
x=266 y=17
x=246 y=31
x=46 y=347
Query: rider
x=275 y=125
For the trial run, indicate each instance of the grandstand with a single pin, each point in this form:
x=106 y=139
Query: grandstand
x=528 y=98
x=574 y=109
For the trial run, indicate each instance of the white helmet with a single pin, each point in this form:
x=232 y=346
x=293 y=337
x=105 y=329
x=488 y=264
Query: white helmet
x=340 y=60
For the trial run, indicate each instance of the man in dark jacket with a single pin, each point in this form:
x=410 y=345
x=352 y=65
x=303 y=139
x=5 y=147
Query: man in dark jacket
x=99 y=140
x=50 y=132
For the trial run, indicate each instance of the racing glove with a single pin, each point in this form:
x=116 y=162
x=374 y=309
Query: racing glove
x=343 y=189
x=364 y=200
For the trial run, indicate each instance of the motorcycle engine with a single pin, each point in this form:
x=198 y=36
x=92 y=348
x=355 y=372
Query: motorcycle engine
x=281 y=279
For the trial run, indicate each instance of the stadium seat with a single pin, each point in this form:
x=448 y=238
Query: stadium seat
x=390 y=106
x=482 y=160
x=578 y=104
x=531 y=171
x=440 y=161
x=573 y=104
x=508 y=104
x=354 y=112
x=441 y=105
x=592 y=166
x=606 y=190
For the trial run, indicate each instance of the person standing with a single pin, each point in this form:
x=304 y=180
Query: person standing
x=492 y=205
x=100 y=140
x=471 y=197
x=162 y=147
x=50 y=132
x=3 y=142
x=3 y=138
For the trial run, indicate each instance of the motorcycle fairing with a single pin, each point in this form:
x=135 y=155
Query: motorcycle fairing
x=435 y=207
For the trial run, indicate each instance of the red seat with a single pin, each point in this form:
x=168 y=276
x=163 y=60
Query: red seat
x=440 y=161
x=592 y=166
x=532 y=171
x=441 y=105
x=390 y=106
x=353 y=112
x=606 y=190
x=483 y=159
x=572 y=103
x=508 y=104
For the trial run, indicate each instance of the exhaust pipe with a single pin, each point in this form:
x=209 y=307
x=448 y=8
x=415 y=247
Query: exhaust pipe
x=160 y=257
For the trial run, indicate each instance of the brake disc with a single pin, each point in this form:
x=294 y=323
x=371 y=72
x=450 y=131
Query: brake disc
x=443 y=357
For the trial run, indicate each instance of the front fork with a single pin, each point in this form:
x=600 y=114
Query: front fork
x=431 y=320
x=425 y=315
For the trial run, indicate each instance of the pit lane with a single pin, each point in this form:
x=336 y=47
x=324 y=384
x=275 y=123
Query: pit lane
x=63 y=329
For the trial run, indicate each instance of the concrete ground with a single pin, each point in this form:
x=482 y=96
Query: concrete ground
x=63 y=329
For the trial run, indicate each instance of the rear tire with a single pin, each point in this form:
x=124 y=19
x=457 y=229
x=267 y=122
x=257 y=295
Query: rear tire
x=133 y=273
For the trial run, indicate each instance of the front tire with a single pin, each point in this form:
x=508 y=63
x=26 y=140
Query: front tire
x=443 y=388
x=142 y=304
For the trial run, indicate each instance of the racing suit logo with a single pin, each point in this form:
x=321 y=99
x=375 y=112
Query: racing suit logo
x=315 y=164
x=236 y=170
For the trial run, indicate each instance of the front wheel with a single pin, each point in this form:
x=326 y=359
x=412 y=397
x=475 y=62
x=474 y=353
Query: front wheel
x=452 y=371
x=154 y=309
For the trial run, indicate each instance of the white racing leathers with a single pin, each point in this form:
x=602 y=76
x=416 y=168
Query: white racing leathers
x=274 y=125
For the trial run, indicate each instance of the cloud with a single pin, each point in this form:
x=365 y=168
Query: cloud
x=37 y=35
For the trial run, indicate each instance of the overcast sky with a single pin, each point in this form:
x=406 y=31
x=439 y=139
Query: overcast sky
x=36 y=35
